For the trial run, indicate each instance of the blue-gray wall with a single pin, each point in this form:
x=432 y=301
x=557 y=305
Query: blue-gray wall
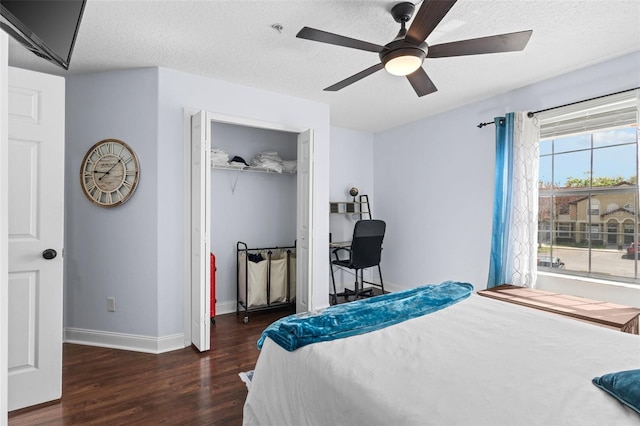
x=434 y=178
x=351 y=165
x=135 y=252
x=433 y=183
x=112 y=252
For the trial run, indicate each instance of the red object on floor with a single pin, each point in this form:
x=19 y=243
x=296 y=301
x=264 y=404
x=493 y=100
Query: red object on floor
x=213 y=287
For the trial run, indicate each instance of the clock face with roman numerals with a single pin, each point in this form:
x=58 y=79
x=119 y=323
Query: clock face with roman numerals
x=109 y=173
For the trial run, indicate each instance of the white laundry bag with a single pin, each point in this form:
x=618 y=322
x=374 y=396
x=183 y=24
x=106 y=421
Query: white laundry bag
x=256 y=276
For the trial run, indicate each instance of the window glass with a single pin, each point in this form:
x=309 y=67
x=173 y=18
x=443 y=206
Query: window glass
x=544 y=224
x=614 y=165
x=572 y=143
x=628 y=229
x=614 y=137
x=583 y=181
x=545 y=147
x=572 y=169
x=545 y=176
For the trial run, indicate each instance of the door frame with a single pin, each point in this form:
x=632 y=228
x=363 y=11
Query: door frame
x=4 y=225
x=213 y=117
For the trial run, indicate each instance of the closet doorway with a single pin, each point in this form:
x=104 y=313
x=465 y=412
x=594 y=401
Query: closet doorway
x=198 y=143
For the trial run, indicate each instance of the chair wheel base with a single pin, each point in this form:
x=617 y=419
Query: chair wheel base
x=368 y=292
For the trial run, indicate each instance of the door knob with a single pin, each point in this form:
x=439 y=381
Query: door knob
x=49 y=254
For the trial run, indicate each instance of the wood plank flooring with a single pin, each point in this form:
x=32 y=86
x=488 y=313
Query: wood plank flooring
x=115 y=387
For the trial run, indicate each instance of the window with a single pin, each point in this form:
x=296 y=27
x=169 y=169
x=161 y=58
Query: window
x=629 y=232
x=564 y=230
x=589 y=161
x=593 y=208
x=594 y=235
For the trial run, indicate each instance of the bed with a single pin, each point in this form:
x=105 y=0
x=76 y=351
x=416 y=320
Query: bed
x=477 y=362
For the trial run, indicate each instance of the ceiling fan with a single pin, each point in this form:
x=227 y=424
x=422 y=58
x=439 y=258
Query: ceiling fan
x=405 y=54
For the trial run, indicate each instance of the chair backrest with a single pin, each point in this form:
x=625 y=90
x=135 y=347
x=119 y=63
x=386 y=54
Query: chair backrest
x=366 y=245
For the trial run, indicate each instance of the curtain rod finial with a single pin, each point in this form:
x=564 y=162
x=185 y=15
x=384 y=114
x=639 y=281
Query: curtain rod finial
x=481 y=125
x=530 y=114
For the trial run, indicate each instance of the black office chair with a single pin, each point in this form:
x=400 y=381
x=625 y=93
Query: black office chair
x=365 y=252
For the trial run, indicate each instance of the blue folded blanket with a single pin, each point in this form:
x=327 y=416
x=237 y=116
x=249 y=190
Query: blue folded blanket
x=362 y=316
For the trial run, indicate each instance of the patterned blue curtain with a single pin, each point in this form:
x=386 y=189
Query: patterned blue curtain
x=501 y=267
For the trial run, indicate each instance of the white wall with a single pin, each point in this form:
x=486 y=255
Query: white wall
x=258 y=209
x=135 y=252
x=434 y=178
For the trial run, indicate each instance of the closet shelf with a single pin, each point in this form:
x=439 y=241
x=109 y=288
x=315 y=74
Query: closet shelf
x=248 y=169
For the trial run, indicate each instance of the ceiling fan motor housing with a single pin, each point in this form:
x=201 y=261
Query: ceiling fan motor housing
x=402 y=47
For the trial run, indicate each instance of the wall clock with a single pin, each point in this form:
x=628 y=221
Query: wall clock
x=109 y=173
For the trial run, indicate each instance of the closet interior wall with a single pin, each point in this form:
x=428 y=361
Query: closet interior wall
x=255 y=207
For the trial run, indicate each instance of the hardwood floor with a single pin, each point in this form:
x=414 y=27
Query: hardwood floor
x=108 y=386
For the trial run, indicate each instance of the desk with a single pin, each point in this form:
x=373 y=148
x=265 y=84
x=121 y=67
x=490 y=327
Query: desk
x=340 y=244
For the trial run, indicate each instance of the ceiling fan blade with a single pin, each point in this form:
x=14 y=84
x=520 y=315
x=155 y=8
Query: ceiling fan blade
x=338 y=40
x=421 y=82
x=350 y=80
x=428 y=17
x=511 y=42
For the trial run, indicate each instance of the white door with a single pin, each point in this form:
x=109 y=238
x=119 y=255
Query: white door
x=304 y=243
x=36 y=219
x=200 y=226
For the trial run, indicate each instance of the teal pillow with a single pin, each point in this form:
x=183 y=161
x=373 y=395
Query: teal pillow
x=623 y=385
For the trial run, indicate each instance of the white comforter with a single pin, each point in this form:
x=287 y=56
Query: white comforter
x=479 y=362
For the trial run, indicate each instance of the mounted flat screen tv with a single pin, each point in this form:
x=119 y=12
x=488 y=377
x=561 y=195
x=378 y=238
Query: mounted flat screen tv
x=47 y=28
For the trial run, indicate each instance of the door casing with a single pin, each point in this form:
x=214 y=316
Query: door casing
x=247 y=122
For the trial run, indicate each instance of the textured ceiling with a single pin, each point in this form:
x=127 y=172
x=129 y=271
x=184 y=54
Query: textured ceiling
x=235 y=41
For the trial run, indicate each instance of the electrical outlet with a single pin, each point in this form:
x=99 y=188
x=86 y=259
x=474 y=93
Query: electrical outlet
x=111 y=304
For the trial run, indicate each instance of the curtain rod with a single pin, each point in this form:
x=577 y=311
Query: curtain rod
x=532 y=113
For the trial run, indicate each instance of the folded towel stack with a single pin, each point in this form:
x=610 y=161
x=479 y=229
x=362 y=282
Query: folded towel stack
x=269 y=160
x=289 y=166
x=219 y=156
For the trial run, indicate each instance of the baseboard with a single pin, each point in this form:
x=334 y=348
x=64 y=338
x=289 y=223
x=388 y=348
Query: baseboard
x=226 y=307
x=388 y=287
x=128 y=342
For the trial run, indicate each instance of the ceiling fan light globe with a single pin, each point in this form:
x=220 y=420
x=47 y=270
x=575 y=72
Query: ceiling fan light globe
x=402 y=60
x=403 y=65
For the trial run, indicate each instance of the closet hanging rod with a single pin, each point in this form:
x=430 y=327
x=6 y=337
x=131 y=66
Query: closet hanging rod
x=532 y=113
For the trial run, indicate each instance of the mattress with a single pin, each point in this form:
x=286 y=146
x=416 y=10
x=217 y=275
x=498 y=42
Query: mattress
x=478 y=362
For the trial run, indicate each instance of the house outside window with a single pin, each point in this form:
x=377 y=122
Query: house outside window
x=589 y=161
x=564 y=230
x=628 y=232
